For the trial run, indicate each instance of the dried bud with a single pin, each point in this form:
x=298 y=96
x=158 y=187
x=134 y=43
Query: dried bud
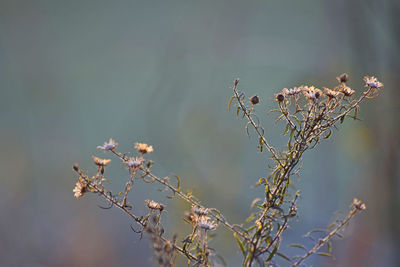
x=190 y=217
x=317 y=94
x=236 y=81
x=75 y=167
x=255 y=100
x=279 y=97
x=343 y=78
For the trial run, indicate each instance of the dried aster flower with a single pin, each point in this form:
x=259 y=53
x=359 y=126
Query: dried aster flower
x=143 y=148
x=80 y=189
x=372 y=82
x=101 y=162
x=292 y=91
x=205 y=224
x=330 y=93
x=108 y=146
x=311 y=92
x=347 y=91
x=358 y=204
x=200 y=211
x=151 y=204
x=343 y=78
x=255 y=100
x=279 y=97
x=134 y=163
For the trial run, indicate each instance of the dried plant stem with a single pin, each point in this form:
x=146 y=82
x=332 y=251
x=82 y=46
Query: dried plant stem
x=130 y=214
x=324 y=240
x=255 y=126
x=128 y=187
x=188 y=199
x=193 y=202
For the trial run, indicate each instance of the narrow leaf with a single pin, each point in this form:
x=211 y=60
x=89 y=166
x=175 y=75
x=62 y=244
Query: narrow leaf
x=298 y=246
x=240 y=244
x=230 y=102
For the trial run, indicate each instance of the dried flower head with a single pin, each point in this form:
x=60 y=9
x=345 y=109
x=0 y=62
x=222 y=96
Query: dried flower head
x=190 y=217
x=134 y=163
x=292 y=91
x=206 y=224
x=372 y=82
x=101 y=162
x=151 y=204
x=143 y=148
x=311 y=92
x=343 y=78
x=255 y=100
x=80 y=189
x=279 y=97
x=200 y=211
x=347 y=91
x=358 y=204
x=108 y=146
x=330 y=93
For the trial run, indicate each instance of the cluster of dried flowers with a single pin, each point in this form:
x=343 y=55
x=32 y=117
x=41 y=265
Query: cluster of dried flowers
x=310 y=115
x=312 y=93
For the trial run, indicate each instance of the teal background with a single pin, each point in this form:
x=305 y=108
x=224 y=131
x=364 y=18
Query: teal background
x=75 y=73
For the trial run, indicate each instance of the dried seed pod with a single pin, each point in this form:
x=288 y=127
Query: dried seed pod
x=343 y=78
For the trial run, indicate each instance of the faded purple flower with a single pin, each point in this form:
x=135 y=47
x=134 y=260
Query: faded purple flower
x=205 y=224
x=134 y=162
x=108 y=146
x=372 y=82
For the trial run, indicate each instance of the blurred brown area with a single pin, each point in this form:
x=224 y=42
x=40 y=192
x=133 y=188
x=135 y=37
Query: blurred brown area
x=75 y=73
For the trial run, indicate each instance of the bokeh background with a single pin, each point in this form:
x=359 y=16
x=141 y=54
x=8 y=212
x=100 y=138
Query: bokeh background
x=75 y=73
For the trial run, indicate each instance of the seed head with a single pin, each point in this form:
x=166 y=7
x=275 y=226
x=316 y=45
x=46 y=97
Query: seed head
x=292 y=91
x=330 y=93
x=347 y=91
x=279 y=97
x=151 y=204
x=143 y=148
x=101 y=162
x=311 y=92
x=255 y=100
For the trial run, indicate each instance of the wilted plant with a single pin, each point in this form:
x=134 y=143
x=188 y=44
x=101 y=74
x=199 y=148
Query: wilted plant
x=310 y=115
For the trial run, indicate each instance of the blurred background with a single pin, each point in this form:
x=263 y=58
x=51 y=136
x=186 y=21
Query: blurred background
x=75 y=73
